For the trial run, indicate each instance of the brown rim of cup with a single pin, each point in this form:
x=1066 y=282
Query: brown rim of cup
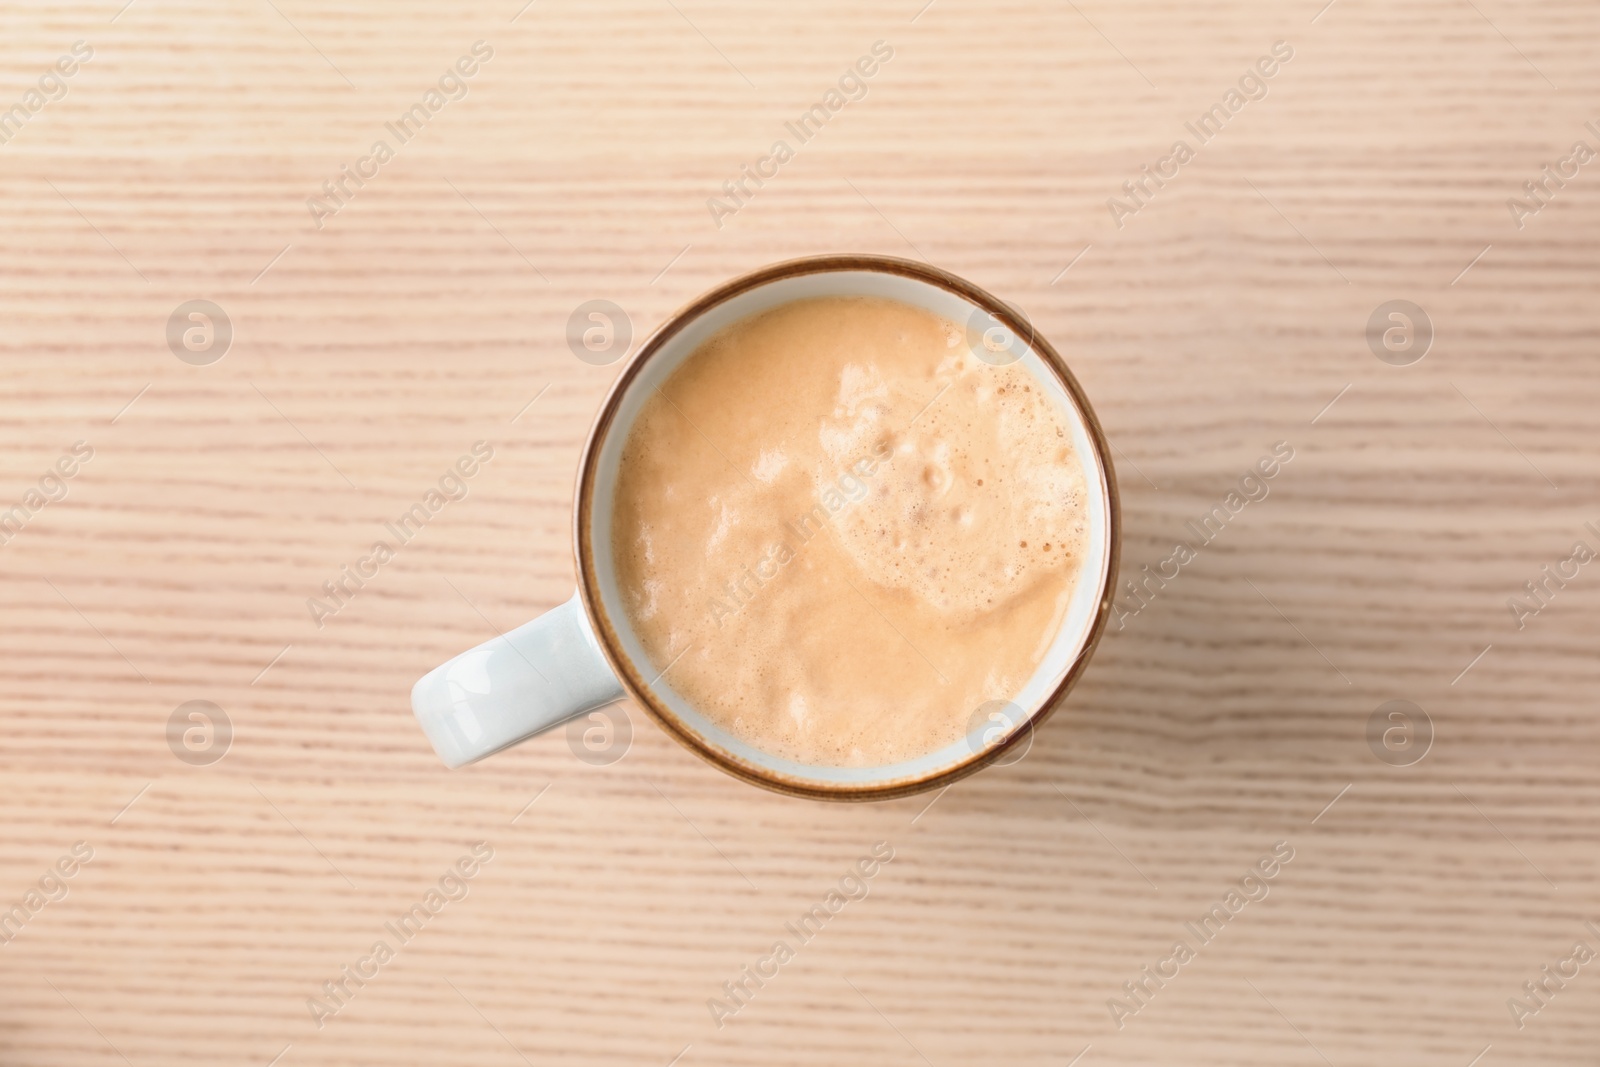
x=606 y=631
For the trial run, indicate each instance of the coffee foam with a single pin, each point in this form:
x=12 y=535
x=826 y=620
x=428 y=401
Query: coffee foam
x=844 y=533
x=981 y=498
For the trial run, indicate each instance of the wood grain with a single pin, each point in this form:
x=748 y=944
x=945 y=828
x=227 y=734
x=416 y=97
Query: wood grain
x=1224 y=717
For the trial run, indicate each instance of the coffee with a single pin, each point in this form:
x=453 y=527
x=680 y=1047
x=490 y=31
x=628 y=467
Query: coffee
x=839 y=532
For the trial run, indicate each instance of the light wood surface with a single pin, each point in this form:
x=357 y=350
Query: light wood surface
x=1223 y=317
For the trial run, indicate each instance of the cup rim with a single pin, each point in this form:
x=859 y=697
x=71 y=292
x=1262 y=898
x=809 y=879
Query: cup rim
x=633 y=681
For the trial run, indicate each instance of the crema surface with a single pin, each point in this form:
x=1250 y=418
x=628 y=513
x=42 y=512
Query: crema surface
x=841 y=533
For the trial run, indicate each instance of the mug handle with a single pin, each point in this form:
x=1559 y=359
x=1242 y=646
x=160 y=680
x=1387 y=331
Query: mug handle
x=519 y=684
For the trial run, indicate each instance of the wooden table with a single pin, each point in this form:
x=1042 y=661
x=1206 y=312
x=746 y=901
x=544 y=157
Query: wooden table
x=1227 y=313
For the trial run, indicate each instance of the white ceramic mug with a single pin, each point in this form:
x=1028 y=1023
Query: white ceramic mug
x=585 y=654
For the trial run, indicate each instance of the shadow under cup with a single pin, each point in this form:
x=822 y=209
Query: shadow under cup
x=1010 y=339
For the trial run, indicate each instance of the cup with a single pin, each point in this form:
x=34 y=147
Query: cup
x=584 y=654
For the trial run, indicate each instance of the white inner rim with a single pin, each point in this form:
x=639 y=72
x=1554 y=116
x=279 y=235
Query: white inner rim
x=1069 y=642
